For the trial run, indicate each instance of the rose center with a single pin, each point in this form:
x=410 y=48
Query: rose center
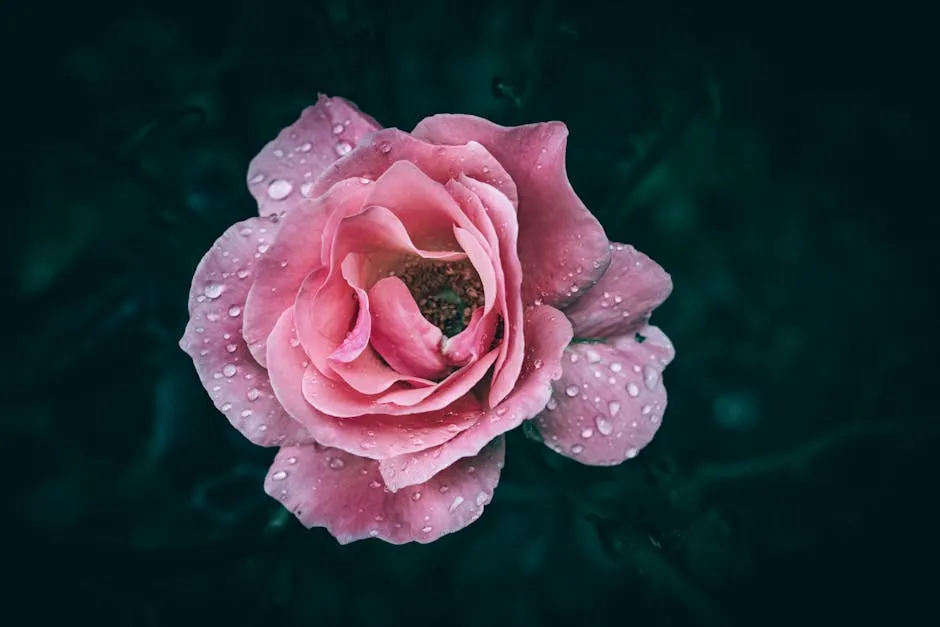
x=446 y=292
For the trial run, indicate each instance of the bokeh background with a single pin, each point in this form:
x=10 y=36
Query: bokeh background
x=773 y=158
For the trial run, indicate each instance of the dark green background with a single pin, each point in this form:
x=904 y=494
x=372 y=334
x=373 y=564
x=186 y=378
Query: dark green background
x=774 y=158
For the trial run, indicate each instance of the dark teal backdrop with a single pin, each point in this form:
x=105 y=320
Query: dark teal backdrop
x=774 y=159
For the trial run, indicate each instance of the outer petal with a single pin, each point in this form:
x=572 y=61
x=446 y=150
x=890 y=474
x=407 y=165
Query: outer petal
x=610 y=400
x=291 y=257
x=282 y=174
x=549 y=332
x=551 y=216
x=622 y=301
x=377 y=152
x=325 y=487
x=374 y=436
x=238 y=386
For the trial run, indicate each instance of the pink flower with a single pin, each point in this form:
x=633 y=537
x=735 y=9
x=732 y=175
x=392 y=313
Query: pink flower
x=404 y=300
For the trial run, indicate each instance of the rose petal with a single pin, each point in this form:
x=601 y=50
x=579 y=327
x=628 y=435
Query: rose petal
x=282 y=174
x=610 y=400
x=401 y=335
x=291 y=257
x=374 y=436
x=468 y=345
x=377 y=152
x=549 y=332
x=503 y=220
x=622 y=301
x=328 y=488
x=551 y=216
x=238 y=386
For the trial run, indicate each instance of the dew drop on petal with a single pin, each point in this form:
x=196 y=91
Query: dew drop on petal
x=650 y=377
x=280 y=475
x=613 y=407
x=343 y=148
x=604 y=426
x=234 y=311
x=279 y=189
x=229 y=370
x=253 y=394
x=577 y=449
x=336 y=463
x=213 y=290
x=586 y=433
x=572 y=391
x=633 y=390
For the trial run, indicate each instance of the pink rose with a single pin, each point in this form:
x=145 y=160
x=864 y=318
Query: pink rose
x=403 y=301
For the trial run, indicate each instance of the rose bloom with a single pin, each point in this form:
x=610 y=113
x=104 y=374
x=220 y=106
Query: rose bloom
x=404 y=300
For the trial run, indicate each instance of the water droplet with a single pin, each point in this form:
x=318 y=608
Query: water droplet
x=577 y=449
x=552 y=404
x=385 y=148
x=246 y=413
x=604 y=427
x=212 y=317
x=416 y=496
x=306 y=189
x=279 y=189
x=246 y=231
x=375 y=484
x=456 y=503
x=573 y=357
x=279 y=153
x=633 y=390
x=253 y=394
x=280 y=475
x=616 y=367
x=234 y=311
x=229 y=370
x=343 y=148
x=226 y=407
x=213 y=290
x=586 y=433
x=364 y=180
x=337 y=129
x=650 y=377
x=571 y=391
x=444 y=488
x=241 y=274
x=257 y=178
x=632 y=452
x=645 y=410
x=373 y=533
x=481 y=498
x=618 y=299
x=305 y=147
x=593 y=357
x=613 y=407
x=292 y=460
x=426 y=529
x=294 y=342
x=537 y=364
x=336 y=463
x=263 y=248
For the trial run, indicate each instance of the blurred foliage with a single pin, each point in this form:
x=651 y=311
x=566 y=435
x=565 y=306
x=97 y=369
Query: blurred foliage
x=775 y=163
